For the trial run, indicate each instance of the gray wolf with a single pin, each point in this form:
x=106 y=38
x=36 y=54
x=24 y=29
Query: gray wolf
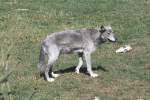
x=83 y=42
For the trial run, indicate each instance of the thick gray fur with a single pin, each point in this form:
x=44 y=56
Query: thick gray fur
x=83 y=42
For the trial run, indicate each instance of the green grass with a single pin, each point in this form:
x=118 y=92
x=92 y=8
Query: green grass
x=24 y=23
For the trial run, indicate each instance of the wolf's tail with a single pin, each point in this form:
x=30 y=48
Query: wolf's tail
x=41 y=65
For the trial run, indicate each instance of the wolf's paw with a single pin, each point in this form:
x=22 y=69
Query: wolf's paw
x=55 y=75
x=77 y=71
x=94 y=75
x=50 y=79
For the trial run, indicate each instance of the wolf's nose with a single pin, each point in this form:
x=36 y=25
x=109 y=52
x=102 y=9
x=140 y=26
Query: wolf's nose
x=115 y=40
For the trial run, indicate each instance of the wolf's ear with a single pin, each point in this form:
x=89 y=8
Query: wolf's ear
x=102 y=27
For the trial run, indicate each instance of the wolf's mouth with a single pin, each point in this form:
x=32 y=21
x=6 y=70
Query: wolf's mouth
x=112 y=40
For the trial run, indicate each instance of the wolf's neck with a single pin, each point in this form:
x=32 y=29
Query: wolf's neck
x=95 y=35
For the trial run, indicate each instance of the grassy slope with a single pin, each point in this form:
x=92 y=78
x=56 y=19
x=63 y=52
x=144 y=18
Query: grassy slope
x=127 y=76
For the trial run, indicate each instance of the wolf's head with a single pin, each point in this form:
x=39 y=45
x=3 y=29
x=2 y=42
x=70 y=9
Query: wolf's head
x=107 y=33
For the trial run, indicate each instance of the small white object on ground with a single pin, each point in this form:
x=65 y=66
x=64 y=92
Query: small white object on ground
x=20 y=9
x=96 y=98
x=124 y=49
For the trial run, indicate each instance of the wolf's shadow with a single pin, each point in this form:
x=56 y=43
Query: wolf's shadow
x=82 y=69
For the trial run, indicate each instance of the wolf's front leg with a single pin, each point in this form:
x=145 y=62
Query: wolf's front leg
x=77 y=70
x=87 y=56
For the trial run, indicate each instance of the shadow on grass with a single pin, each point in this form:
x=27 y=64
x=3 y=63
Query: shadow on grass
x=72 y=69
x=82 y=69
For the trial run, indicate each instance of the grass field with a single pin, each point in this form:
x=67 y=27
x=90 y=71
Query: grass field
x=24 y=23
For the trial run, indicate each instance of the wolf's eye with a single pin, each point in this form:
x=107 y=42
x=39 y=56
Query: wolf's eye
x=108 y=33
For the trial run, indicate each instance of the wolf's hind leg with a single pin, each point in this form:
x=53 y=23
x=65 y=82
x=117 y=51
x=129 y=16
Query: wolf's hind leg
x=52 y=57
x=54 y=75
x=49 y=79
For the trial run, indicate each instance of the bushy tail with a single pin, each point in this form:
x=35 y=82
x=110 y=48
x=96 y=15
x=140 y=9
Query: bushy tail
x=41 y=65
